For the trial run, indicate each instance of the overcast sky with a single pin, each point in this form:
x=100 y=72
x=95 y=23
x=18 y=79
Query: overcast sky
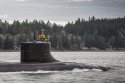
x=60 y=11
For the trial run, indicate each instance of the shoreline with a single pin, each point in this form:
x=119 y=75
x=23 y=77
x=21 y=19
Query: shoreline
x=71 y=51
x=89 y=51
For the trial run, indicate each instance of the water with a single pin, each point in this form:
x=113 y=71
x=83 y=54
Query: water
x=116 y=60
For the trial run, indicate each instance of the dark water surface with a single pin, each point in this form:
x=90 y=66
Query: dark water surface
x=115 y=60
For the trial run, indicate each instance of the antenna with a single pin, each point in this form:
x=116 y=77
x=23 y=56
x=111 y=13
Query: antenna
x=35 y=36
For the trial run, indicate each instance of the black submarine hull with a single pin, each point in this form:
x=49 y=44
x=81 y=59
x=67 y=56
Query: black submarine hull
x=37 y=56
x=54 y=66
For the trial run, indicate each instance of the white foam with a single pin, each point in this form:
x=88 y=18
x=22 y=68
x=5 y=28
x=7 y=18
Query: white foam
x=28 y=72
x=42 y=71
x=85 y=70
x=97 y=69
x=80 y=70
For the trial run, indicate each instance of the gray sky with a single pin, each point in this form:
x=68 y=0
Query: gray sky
x=60 y=11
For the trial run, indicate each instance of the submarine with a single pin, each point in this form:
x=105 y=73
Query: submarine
x=36 y=55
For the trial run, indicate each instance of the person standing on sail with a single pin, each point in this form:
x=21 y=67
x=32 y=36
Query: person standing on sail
x=43 y=37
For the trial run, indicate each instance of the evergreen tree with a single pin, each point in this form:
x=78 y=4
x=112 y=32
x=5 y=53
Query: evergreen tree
x=8 y=43
x=1 y=42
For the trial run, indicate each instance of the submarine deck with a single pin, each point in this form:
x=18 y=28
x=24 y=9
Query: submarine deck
x=60 y=66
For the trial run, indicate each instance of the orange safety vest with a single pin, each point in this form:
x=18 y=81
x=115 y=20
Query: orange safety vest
x=41 y=36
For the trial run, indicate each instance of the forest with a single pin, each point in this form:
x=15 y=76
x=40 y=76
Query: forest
x=92 y=34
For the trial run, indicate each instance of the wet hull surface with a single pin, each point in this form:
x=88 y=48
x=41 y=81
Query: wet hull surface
x=60 y=66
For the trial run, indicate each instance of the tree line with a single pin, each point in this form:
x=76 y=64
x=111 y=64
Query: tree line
x=94 y=33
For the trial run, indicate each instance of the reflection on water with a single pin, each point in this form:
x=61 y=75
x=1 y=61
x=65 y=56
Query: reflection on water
x=114 y=59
